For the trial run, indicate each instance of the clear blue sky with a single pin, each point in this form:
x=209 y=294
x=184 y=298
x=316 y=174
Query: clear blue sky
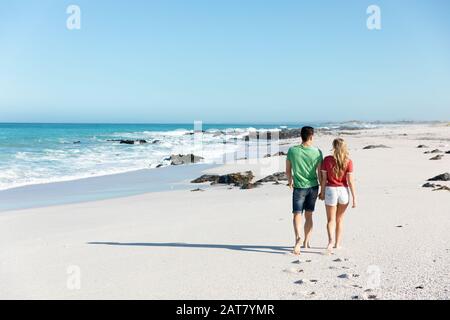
x=224 y=61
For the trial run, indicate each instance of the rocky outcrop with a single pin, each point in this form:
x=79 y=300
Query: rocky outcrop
x=238 y=179
x=290 y=133
x=276 y=177
x=436 y=187
x=279 y=153
x=124 y=141
x=214 y=178
x=441 y=177
x=179 y=159
x=375 y=146
x=434 y=151
x=250 y=185
x=429 y=185
x=440 y=188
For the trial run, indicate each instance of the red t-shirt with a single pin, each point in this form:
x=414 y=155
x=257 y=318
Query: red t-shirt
x=333 y=181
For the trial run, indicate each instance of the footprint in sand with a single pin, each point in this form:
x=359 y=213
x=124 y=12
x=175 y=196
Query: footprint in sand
x=293 y=270
x=370 y=297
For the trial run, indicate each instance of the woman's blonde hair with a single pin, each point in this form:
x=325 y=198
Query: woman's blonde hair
x=341 y=155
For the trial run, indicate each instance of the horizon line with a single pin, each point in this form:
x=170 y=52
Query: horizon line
x=236 y=123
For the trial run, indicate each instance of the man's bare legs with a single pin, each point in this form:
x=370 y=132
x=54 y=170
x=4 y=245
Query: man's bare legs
x=297 y=220
x=308 y=228
x=340 y=223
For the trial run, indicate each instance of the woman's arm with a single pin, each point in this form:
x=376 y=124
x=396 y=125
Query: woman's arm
x=289 y=173
x=351 y=184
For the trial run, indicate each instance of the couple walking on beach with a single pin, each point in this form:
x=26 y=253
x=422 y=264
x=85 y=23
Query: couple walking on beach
x=330 y=179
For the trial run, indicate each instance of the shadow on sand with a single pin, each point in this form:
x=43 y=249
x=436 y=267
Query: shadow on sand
x=251 y=248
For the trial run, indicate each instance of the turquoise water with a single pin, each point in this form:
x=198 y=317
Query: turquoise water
x=43 y=153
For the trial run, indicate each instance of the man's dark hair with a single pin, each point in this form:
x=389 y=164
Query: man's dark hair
x=307 y=133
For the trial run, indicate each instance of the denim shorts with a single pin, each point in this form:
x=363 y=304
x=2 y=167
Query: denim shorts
x=304 y=199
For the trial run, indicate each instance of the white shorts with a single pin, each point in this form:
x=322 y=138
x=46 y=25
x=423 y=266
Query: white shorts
x=335 y=195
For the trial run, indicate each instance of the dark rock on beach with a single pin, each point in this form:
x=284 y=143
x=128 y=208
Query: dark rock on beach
x=375 y=146
x=238 y=179
x=207 y=178
x=433 y=151
x=422 y=146
x=279 y=176
x=441 y=177
x=290 y=133
x=280 y=153
x=429 y=185
x=440 y=188
x=250 y=185
x=438 y=157
x=179 y=159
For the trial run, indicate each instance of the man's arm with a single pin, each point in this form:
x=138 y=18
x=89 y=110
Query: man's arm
x=289 y=173
x=323 y=183
x=319 y=173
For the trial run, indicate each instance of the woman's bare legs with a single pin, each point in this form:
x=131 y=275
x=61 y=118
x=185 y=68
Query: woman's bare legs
x=340 y=223
x=331 y=225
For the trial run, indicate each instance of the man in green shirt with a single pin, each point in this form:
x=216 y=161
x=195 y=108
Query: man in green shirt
x=303 y=172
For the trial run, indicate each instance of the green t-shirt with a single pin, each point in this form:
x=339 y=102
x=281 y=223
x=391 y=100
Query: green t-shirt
x=304 y=163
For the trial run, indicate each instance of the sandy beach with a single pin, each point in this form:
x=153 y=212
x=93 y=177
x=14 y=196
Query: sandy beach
x=228 y=243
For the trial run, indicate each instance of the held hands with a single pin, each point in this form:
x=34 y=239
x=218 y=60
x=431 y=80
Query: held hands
x=290 y=184
x=321 y=195
x=354 y=203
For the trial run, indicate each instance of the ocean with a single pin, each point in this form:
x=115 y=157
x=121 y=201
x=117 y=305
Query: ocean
x=43 y=153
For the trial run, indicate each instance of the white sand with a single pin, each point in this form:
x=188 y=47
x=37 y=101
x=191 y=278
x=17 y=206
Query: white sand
x=234 y=244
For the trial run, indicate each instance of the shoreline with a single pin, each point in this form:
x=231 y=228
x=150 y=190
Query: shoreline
x=49 y=194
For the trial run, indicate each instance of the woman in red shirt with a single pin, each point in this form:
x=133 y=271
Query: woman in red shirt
x=336 y=185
